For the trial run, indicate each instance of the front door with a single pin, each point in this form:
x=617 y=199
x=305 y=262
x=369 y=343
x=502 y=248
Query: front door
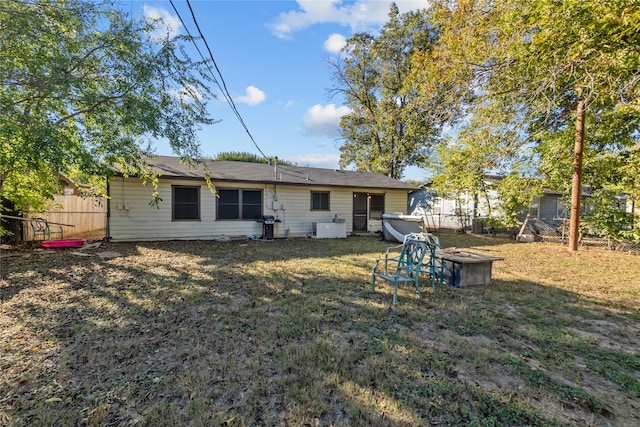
x=359 y=212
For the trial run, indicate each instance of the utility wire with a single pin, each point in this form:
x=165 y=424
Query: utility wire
x=213 y=76
x=223 y=87
x=226 y=91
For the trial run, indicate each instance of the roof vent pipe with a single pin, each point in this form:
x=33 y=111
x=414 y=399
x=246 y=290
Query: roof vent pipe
x=275 y=167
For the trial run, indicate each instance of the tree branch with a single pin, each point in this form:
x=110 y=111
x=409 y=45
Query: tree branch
x=91 y=108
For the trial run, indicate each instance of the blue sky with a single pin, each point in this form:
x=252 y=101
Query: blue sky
x=273 y=58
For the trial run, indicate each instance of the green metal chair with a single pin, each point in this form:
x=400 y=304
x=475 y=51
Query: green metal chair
x=41 y=227
x=433 y=264
x=420 y=237
x=404 y=268
x=424 y=237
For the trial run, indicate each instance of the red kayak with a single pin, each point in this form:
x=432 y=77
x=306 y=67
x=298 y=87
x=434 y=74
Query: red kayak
x=63 y=243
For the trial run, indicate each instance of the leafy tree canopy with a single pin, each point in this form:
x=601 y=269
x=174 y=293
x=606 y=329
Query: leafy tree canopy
x=386 y=130
x=518 y=70
x=84 y=88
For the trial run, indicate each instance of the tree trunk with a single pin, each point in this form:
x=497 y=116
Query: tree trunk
x=11 y=223
x=576 y=187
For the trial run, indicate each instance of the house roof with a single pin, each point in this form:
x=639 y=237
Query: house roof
x=231 y=171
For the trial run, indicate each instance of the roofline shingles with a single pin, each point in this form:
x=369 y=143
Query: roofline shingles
x=231 y=171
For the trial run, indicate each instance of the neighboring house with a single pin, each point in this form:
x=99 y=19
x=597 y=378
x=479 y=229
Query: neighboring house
x=441 y=212
x=550 y=210
x=296 y=196
x=461 y=212
x=550 y=205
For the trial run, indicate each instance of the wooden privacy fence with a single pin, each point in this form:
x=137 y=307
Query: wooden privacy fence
x=88 y=216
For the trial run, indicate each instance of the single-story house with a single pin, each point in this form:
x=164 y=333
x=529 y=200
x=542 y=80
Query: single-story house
x=298 y=198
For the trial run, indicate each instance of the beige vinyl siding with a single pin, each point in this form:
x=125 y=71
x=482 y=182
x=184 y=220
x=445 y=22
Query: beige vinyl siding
x=395 y=200
x=133 y=219
x=293 y=207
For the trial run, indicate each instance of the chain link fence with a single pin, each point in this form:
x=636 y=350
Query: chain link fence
x=557 y=231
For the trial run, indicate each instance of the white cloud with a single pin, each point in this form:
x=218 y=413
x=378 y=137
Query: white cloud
x=254 y=96
x=359 y=15
x=164 y=23
x=334 y=43
x=324 y=120
x=328 y=161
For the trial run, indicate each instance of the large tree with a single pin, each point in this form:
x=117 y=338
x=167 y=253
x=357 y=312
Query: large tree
x=385 y=131
x=84 y=88
x=554 y=82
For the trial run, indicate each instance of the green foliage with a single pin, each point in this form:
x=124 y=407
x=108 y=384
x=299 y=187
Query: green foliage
x=386 y=130
x=517 y=69
x=82 y=88
x=239 y=156
x=606 y=215
x=516 y=194
x=457 y=170
x=415 y=183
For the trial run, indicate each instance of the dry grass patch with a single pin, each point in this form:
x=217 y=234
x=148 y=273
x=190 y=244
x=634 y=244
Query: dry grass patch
x=290 y=333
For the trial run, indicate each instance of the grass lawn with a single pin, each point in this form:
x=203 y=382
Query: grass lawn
x=290 y=333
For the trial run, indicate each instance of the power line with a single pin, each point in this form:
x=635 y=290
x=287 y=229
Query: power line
x=226 y=91
x=223 y=87
x=213 y=76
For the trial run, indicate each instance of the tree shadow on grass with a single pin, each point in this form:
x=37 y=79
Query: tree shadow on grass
x=275 y=333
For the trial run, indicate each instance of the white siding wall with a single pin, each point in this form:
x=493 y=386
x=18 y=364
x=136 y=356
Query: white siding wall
x=448 y=216
x=132 y=218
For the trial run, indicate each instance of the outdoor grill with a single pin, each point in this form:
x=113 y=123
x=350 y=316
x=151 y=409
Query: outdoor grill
x=268 y=222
